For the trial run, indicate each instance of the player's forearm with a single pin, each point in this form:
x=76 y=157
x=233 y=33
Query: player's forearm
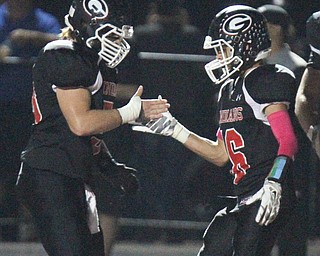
x=307 y=100
x=213 y=152
x=312 y=99
x=95 y=122
x=304 y=115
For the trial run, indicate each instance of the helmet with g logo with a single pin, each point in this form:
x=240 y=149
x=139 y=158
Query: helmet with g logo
x=239 y=34
x=95 y=23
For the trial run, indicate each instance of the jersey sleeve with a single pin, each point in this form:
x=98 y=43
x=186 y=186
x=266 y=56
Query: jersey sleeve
x=64 y=66
x=272 y=83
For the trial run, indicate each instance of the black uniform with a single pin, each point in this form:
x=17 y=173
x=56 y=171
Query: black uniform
x=56 y=162
x=252 y=149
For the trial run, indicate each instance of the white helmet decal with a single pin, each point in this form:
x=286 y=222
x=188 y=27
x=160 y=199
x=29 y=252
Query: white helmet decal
x=236 y=23
x=97 y=7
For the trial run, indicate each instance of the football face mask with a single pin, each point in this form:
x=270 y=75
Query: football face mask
x=225 y=64
x=96 y=26
x=110 y=40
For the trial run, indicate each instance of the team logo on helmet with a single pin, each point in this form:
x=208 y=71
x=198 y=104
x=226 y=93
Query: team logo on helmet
x=96 y=8
x=237 y=23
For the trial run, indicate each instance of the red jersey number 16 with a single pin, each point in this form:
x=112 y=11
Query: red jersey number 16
x=234 y=143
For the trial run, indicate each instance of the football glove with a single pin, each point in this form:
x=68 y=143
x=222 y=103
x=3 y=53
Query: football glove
x=121 y=177
x=270 y=195
x=167 y=125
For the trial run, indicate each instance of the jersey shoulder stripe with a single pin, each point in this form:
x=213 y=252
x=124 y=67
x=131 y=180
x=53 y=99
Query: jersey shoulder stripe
x=59 y=44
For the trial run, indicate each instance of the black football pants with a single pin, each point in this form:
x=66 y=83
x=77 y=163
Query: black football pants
x=237 y=234
x=57 y=204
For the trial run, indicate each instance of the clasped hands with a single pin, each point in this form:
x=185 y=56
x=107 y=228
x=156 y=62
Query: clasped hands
x=142 y=111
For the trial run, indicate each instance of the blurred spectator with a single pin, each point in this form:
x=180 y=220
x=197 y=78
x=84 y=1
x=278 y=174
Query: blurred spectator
x=293 y=240
x=58 y=7
x=308 y=107
x=167 y=29
x=24 y=30
x=282 y=33
x=308 y=97
x=308 y=104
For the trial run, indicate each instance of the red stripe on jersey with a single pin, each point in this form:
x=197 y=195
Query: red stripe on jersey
x=35 y=108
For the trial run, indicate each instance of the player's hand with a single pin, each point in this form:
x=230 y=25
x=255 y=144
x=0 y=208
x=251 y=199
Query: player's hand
x=162 y=126
x=153 y=109
x=270 y=195
x=142 y=111
x=166 y=125
x=123 y=178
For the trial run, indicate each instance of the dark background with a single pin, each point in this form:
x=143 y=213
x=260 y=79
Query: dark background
x=201 y=11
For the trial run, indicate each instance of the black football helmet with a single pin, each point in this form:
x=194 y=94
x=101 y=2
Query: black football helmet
x=96 y=23
x=312 y=32
x=239 y=34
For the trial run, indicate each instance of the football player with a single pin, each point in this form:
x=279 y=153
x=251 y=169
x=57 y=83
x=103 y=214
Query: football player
x=255 y=134
x=308 y=96
x=73 y=89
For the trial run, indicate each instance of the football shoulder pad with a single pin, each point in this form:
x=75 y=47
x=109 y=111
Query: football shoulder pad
x=66 y=64
x=271 y=83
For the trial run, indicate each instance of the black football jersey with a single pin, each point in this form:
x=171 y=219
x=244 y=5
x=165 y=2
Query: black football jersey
x=52 y=145
x=246 y=132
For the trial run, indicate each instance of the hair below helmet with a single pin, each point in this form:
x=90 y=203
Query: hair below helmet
x=93 y=23
x=239 y=34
